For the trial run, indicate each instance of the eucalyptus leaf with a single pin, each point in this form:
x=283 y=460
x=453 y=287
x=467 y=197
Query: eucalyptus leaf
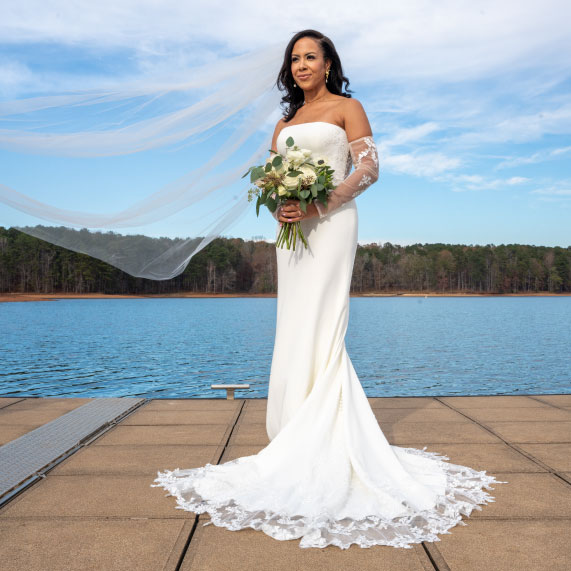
x=257 y=173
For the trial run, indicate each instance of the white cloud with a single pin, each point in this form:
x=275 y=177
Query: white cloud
x=411 y=134
x=538 y=157
x=450 y=40
x=558 y=194
x=441 y=81
x=553 y=191
x=420 y=56
x=13 y=74
x=418 y=164
x=466 y=182
x=522 y=127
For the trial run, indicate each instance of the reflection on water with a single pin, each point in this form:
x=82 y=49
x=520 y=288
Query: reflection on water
x=177 y=348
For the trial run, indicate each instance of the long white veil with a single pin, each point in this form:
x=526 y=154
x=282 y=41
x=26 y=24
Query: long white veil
x=234 y=99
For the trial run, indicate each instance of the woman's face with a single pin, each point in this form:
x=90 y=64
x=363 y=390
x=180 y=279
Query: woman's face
x=307 y=64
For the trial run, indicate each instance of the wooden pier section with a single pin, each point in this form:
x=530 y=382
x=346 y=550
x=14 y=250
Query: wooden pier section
x=95 y=510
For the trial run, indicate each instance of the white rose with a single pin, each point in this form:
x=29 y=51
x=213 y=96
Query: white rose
x=295 y=157
x=306 y=152
x=290 y=182
x=308 y=173
x=282 y=190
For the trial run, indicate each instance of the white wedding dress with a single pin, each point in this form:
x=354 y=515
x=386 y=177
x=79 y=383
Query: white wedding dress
x=329 y=476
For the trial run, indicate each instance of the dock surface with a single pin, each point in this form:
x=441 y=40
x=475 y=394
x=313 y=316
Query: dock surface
x=95 y=509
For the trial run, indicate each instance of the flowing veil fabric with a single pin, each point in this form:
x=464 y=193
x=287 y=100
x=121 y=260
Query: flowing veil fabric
x=328 y=476
x=234 y=99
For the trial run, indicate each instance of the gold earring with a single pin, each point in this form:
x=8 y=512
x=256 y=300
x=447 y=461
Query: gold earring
x=326 y=76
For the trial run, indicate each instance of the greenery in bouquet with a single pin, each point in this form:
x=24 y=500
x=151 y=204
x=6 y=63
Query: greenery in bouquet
x=299 y=175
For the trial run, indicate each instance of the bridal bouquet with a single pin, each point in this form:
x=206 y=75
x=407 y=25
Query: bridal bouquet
x=297 y=175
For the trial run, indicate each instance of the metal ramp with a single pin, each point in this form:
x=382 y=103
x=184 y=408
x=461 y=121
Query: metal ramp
x=22 y=459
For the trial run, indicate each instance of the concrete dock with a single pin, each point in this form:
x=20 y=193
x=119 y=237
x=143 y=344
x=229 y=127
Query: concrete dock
x=95 y=509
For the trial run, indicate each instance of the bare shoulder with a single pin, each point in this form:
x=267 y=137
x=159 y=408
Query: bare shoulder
x=355 y=119
x=279 y=126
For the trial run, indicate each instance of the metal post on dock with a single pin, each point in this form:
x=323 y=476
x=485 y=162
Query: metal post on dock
x=230 y=389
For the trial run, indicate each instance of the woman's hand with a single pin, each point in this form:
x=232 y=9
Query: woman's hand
x=290 y=211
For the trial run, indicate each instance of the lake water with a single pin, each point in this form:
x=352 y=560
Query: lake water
x=177 y=348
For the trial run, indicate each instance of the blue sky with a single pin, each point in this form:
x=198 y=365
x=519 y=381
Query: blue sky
x=469 y=103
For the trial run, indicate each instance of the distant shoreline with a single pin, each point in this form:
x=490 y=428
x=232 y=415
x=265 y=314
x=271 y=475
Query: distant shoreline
x=13 y=297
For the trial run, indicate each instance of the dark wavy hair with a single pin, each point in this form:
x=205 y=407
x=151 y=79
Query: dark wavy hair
x=294 y=98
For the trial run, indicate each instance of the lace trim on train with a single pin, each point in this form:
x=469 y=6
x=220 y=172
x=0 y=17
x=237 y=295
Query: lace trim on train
x=464 y=491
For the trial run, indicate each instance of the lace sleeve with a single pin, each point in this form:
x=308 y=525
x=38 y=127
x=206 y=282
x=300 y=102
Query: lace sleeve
x=366 y=172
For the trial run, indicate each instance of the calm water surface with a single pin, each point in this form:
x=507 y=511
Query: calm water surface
x=177 y=348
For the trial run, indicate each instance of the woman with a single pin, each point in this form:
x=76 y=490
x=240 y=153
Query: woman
x=329 y=475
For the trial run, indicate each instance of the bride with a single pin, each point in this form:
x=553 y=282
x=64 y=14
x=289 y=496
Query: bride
x=329 y=476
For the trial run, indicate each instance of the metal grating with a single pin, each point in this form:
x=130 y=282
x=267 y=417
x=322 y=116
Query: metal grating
x=25 y=456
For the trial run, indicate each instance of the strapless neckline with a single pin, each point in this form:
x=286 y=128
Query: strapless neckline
x=316 y=122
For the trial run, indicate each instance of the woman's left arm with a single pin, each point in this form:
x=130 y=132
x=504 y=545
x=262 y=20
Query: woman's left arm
x=364 y=156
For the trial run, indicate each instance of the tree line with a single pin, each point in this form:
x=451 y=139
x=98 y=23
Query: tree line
x=234 y=265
